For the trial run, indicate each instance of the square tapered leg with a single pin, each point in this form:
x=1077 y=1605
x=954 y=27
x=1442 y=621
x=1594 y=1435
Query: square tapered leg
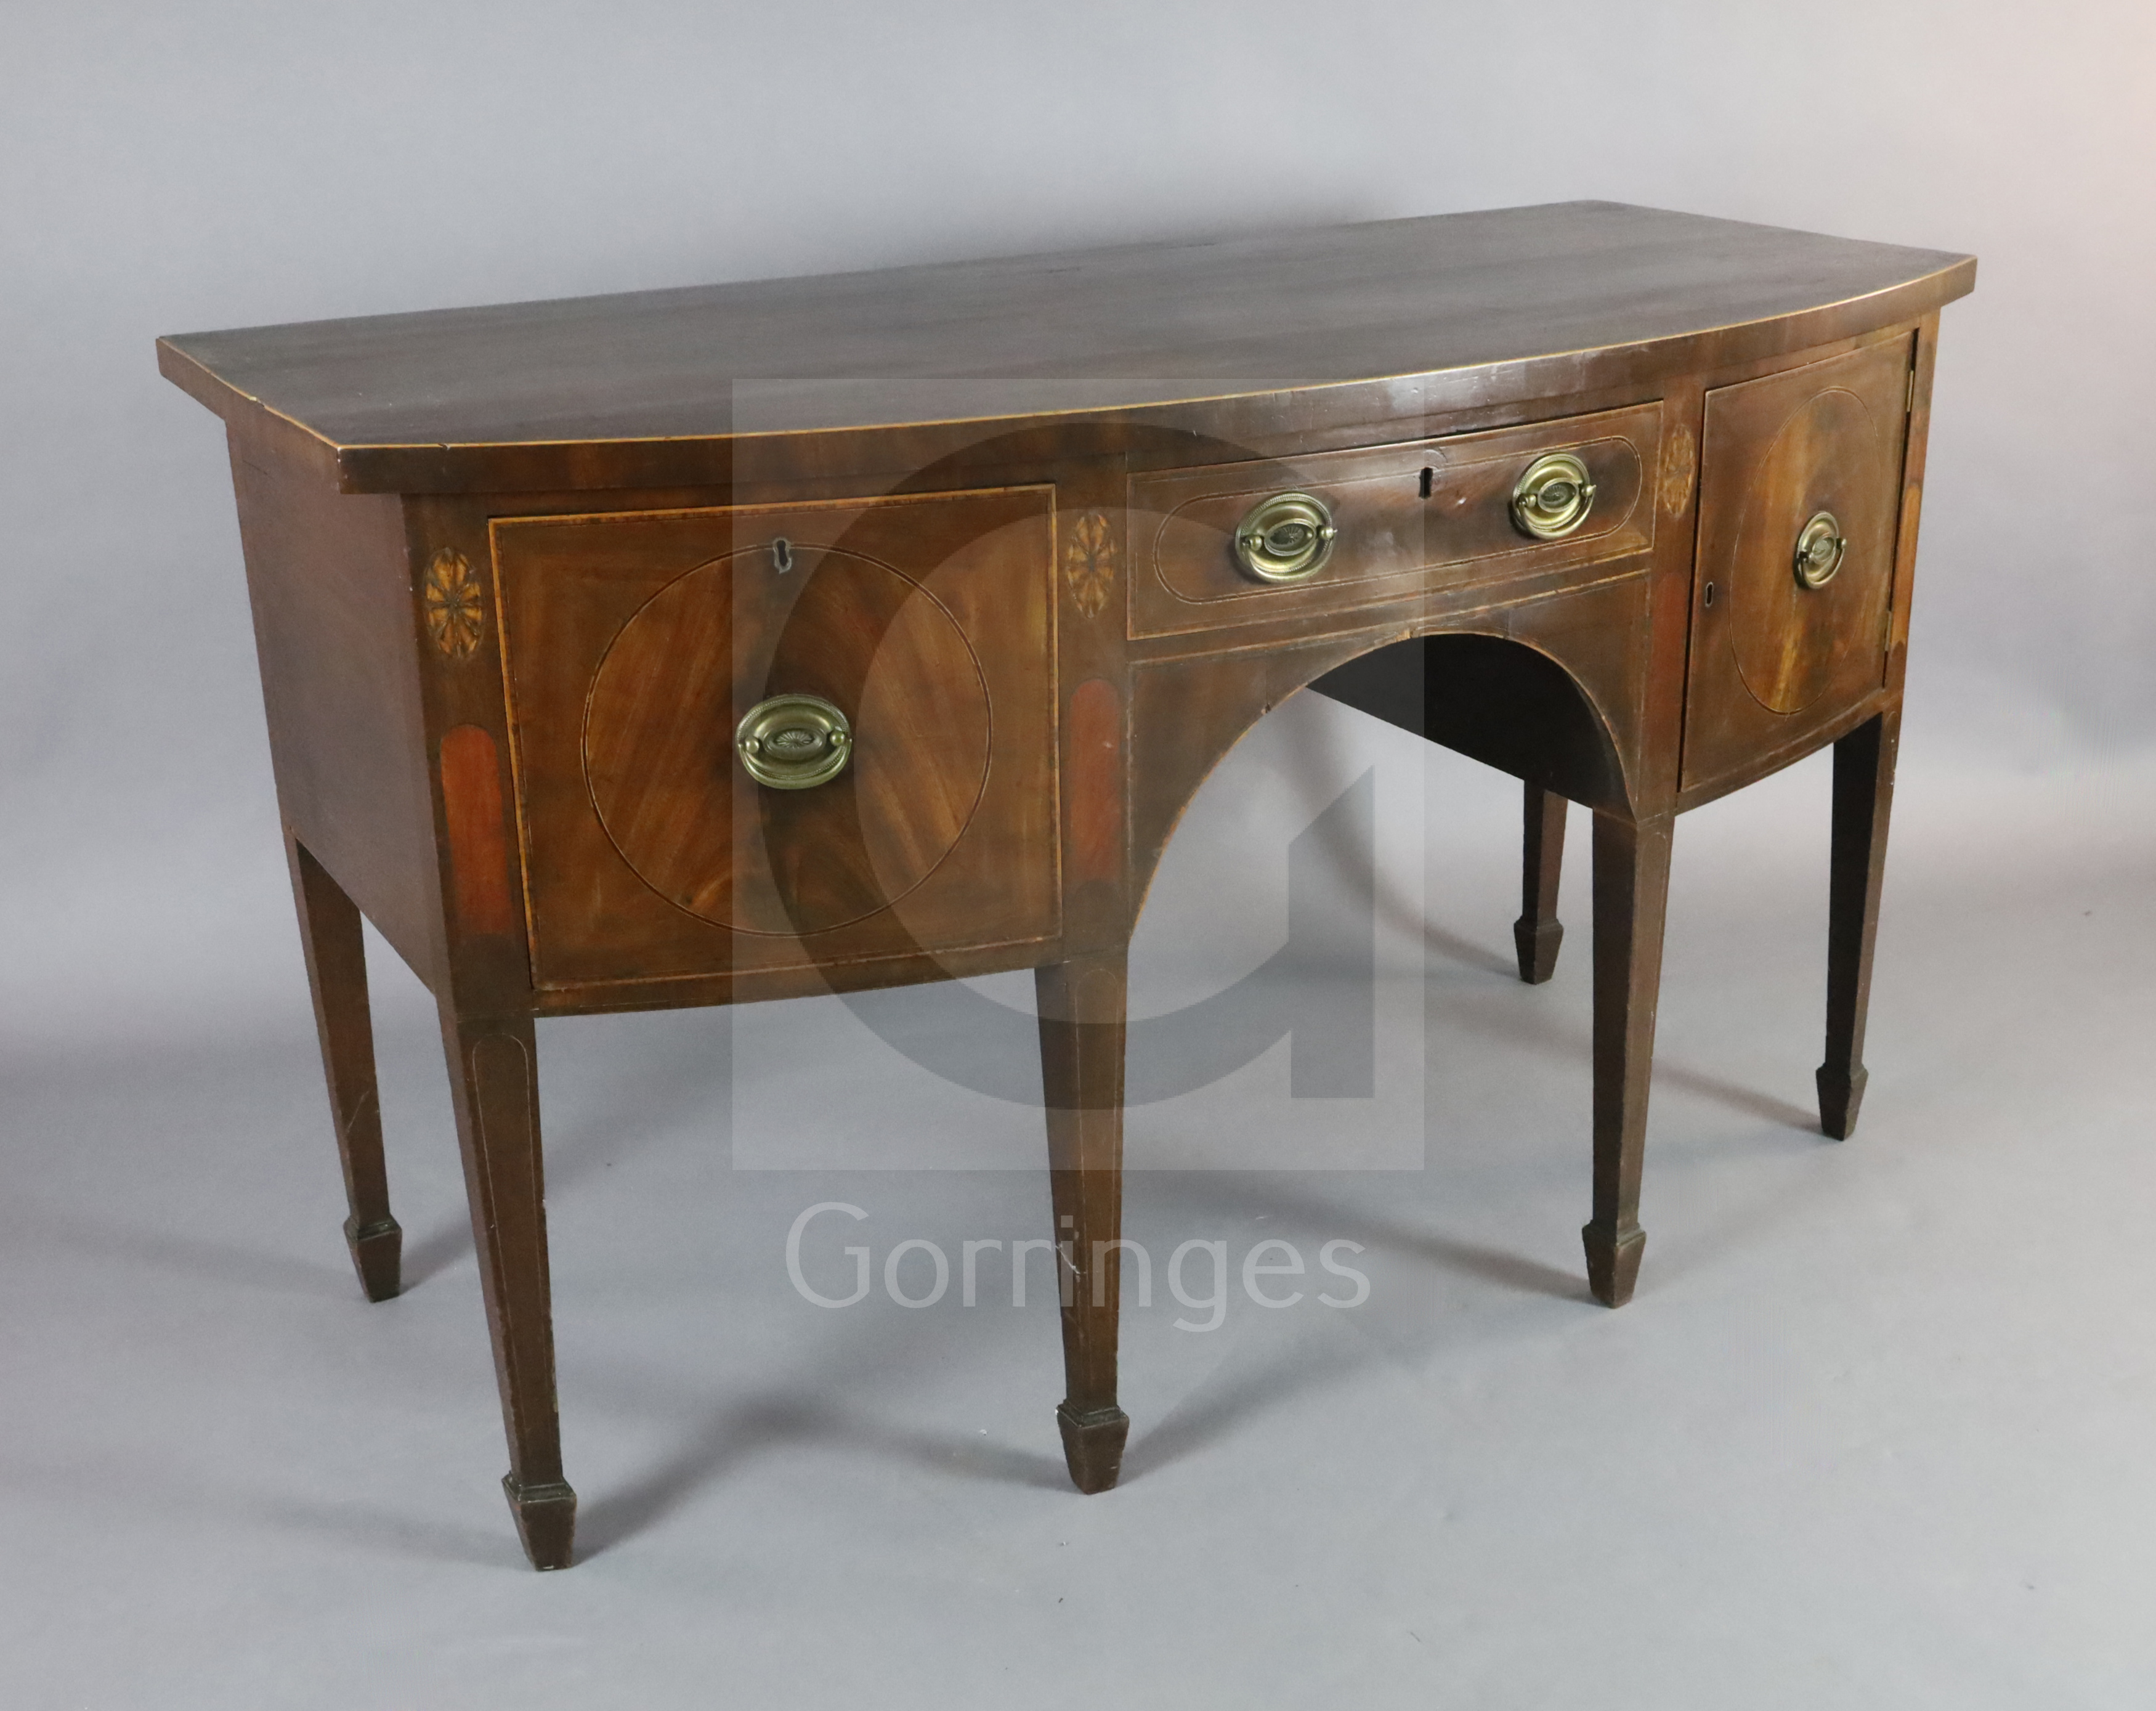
x=1863 y=794
x=493 y=1075
x=336 y=974
x=1537 y=933
x=1082 y=1008
x=1631 y=891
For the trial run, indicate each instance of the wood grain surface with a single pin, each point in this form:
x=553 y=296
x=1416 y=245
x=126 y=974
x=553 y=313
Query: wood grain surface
x=635 y=642
x=1771 y=657
x=621 y=390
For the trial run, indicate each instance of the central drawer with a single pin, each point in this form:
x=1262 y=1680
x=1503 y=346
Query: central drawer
x=779 y=736
x=1421 y=517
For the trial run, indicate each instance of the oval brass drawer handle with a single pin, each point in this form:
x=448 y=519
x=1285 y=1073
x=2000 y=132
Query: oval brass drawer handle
x=1285 y=538
x=792 y=741
x=1553 y=497
x=1820 y=546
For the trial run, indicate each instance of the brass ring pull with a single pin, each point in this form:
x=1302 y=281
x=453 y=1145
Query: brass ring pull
x=793 y=742
x=1820 y=546
x=1285 y=538
x=1553 y=497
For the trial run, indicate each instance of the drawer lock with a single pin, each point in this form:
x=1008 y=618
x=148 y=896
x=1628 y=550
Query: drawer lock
x=1819 y=548
x=792 y=741
x=1553 y=496
x=1285 y=538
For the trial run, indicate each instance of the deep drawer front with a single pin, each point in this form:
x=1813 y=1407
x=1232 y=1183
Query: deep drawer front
x=1414 y=517
x=911 y=636
x=1783 y=647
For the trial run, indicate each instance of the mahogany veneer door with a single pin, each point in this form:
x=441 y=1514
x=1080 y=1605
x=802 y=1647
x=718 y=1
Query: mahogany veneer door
x=1773 y=661
x=633 y=643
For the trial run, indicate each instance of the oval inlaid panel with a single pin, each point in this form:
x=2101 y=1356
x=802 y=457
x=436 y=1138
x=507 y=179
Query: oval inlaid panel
x=659 y=740
x=1833 y=453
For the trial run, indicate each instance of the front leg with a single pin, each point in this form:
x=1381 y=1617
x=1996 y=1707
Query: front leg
x=1082 y=1008
x=1863 y=792
x=1631 y=891
x=493 y=1078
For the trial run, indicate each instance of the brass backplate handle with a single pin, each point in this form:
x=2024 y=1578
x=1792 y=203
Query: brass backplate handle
x=1820 y=546
x=1285 y=538
x=1552 y=496
x=793 y=742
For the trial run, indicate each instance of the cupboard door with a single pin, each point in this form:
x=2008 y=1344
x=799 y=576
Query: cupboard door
x=772 y=736
x=1800 y=479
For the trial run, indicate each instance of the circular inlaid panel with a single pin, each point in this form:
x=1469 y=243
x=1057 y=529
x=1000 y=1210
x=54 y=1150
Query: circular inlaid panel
x=659 y=740
x=1826 y=459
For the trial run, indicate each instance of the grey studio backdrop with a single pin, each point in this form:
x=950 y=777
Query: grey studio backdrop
x=1873 y=1431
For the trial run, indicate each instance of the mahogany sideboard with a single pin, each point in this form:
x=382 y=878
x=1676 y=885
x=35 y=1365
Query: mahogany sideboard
x=708 y=645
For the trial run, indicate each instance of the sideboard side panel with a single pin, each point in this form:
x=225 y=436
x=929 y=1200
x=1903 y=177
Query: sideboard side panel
x=329 y=582
x=1912 y=501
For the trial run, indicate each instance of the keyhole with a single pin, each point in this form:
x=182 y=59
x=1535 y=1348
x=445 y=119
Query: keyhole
x=1427 y=474
x=782 y=555
x=1710 y=594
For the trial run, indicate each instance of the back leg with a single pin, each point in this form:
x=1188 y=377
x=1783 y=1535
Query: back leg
x=1537 y=934
x=336 y=971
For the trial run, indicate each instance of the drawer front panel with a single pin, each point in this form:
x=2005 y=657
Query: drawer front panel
x=636 y=643
x=1805 y=462
x=1422 y=516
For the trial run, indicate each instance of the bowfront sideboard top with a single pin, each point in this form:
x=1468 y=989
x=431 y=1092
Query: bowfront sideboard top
x=757 y=640
x=1385 y=319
